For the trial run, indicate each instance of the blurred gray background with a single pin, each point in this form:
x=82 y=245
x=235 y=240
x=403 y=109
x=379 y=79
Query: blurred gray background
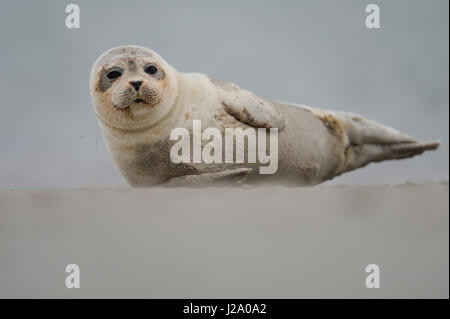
x=317 y=53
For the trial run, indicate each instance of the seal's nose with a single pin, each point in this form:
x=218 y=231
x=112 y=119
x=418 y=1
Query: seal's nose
x=136 y=84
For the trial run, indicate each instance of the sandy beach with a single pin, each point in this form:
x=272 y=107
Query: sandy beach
x=270 y=242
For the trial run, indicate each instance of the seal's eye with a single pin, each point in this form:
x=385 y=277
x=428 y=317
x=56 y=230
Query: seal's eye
x=151 y=69
x=113 y=75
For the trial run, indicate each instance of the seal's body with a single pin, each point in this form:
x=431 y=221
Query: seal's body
x=140 y=99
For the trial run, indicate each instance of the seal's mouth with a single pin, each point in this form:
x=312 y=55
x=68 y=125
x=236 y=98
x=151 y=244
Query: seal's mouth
x=121 y=108
x=140 y=101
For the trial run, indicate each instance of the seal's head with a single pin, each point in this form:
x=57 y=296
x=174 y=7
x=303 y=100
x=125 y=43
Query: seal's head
x=132 y=87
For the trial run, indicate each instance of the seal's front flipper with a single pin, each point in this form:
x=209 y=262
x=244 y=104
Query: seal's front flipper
x=226 y=177
x=367 y=153
x=248 y=107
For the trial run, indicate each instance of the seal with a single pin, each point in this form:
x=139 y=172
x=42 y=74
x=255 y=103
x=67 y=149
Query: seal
x=140 y=99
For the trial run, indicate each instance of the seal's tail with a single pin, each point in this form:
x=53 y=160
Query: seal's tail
x=370 y=141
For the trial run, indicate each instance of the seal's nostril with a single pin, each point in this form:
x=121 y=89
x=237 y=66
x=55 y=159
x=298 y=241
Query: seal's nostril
x=136 y=84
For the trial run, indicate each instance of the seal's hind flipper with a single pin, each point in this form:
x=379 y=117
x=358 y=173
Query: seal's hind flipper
x=363 y=131
x=369 y=141
x=367 y=153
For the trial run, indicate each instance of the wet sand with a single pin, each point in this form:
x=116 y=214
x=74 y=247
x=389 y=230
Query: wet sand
x=273 y=242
